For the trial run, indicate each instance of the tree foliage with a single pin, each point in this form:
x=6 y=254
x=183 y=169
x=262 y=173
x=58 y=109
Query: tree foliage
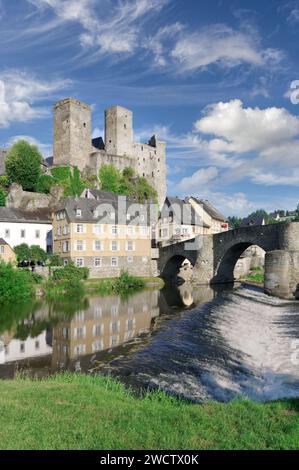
x=23 y=165
x=16 y=285
x=30 y=254
x=126 y=183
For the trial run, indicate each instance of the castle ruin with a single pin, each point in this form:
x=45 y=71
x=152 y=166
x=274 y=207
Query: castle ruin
x=74 y=146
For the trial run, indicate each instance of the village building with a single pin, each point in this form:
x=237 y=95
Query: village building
x=107 y=235
x=33 y=228
x=211 y=217
x=178 y=222
x=253 y=220
x=7 y=255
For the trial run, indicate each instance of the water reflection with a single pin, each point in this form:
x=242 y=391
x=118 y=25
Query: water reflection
x=198 y=342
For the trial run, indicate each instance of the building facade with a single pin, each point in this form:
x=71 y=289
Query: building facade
x=32 y=228
x=178 y=222
x=73 y=144
x=213 y=219
x=103 y=236
x=6 y=252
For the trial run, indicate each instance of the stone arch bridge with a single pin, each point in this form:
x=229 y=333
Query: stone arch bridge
x=214 y=256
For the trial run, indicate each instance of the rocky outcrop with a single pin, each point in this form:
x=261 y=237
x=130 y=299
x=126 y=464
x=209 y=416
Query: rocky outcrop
x=27 y=201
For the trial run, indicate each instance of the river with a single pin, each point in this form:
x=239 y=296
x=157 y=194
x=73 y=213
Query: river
x=199 y=343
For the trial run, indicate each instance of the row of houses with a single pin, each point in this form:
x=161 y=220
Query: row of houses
x=108 y=233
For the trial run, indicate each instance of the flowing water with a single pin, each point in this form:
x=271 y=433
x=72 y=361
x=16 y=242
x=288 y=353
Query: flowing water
x=198 y=342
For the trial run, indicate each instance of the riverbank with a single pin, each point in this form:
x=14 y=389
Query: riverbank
x=83 y=412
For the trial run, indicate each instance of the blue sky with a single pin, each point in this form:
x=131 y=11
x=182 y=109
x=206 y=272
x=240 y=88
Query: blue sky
x=212 y=78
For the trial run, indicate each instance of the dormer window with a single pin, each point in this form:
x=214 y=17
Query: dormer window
x=78 y=213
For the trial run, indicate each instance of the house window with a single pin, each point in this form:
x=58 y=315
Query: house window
x=65 y=262
x=130 y=230
x=37 y=345
x=97 y=346
x=114 y=262
x=37 y=233
x=22 y=347
x=79 y=228
x=65 y=247
x=97 y=229
x=114 y=327
x=144 y=231
x=97 y=330
x=114 y=245
x=97 y=262
x=97 y=245
x=114 y=230
x=78 y=213
x=80 y=350
x=130 y=259
x=7 y=233
x=130 y=245
x=23 y=233
x=80 y=332
x=79 y=245
x=79 y=262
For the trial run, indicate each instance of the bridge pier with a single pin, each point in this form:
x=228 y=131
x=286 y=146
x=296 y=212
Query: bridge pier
x=282 y=274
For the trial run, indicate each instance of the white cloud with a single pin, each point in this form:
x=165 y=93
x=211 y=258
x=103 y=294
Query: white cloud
x=20 y=91
x=222 y=45
x=109 y=27
x=263 y=142
x=200 y=179
x=45 y=149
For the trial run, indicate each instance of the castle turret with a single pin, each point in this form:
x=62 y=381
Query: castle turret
x=118 y=131
x=72 y=133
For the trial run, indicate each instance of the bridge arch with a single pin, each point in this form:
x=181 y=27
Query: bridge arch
x=229 y=246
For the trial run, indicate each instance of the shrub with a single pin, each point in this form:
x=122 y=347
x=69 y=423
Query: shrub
x=55 y=260
x=70 y=272
x=126 y=281
x=44 y=184
x=2 y=197
x=4 y=182
x=16 y=285
x=59 y=289
x=23 y=165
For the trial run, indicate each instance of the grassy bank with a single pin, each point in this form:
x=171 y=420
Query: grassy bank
x=256 y=275
x=80 y=412
x=122 y=285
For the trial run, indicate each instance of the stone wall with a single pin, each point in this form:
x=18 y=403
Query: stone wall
x=2 y=161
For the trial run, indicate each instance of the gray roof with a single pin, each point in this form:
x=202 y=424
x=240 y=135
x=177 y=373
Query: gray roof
x=39 y=216
x=48 y=161
x=3 y=242
x=250 y=221
x=210 y=209
x=2 y=161
x=183 y=212
x=99 y=210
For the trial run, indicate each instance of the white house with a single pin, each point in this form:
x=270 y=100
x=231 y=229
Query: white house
x=32 y=228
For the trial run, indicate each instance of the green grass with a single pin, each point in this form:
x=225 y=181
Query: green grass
x=122 y=285
x=255 y=275
x=82 y=412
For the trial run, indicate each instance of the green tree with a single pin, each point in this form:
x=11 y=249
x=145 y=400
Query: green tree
x=23 y=253
x=23 y=165
x=37 y=254
x=2 y=197
x=234 y=222
x=16 y=285
x=110 y=178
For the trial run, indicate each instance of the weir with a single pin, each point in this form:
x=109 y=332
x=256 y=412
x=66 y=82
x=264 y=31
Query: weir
x=214 y=257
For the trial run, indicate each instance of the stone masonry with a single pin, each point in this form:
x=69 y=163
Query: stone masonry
x=73 y=144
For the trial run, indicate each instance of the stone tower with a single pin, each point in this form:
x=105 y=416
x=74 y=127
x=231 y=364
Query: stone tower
x=72 y=133
x=118 y=131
